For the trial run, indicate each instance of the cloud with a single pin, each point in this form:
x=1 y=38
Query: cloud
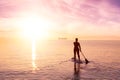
x=94 y=11
x=100 y=15
x=93 y=17
x=89 y=10
x=10 y=8
x=115 y=3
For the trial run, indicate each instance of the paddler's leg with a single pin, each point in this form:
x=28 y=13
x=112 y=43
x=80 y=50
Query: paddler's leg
x=78 y=55
x=74 y=55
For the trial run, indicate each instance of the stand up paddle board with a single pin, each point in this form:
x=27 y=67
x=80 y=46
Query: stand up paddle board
x=77 y=61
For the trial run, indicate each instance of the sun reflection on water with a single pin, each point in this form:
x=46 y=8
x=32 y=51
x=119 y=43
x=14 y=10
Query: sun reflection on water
x=34 y=66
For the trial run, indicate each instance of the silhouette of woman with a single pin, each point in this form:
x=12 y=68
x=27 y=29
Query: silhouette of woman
x=77 y=47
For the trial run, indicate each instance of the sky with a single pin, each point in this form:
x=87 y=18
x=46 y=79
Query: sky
x=87 y=19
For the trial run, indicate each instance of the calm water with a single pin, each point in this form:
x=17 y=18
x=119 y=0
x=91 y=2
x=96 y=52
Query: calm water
x=50 y=60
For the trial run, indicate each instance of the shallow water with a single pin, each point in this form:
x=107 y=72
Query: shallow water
x=51 y=60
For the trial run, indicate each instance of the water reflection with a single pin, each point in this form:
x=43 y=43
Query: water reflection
x=34 y=56
x=76 y=71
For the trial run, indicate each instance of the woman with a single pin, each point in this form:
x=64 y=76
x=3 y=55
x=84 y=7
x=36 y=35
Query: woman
x=77 y=47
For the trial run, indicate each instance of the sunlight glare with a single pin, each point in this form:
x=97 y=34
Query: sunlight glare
x=35 y=27
x=33 y=50
x=33 y=55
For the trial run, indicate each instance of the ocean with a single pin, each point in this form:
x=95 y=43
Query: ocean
x=22 y=59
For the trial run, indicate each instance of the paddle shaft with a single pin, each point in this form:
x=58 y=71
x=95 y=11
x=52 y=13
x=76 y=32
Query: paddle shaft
x=83 y=54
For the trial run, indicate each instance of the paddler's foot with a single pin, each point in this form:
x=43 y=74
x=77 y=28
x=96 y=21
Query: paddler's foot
x=74 y=59
x=80 y=61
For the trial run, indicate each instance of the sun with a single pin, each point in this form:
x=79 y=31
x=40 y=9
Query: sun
x=35 y=27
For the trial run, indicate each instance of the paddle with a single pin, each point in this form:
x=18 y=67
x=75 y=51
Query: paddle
x=86 y=61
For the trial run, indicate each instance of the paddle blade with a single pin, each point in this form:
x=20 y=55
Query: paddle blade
x=86 y=61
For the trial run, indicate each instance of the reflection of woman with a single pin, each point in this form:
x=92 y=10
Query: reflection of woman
x=77 y=47
x=76 y=71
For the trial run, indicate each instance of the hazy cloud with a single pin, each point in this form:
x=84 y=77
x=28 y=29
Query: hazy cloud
x=100 y=15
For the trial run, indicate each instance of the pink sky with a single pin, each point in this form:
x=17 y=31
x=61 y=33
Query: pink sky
x=83 y=18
